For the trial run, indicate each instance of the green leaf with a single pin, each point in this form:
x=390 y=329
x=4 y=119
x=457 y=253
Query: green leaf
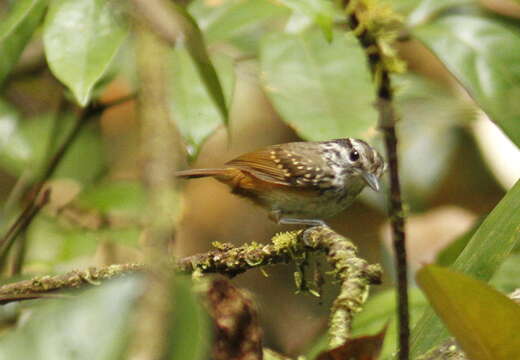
x=485 y=58
x=192 y=107
x=320 y=12
x=485 y=322
x=323 y=90
x=16 y=30
x=190 y=330
x=194 y=43
x=487 y=249
x=81 y=37
x=242 y=21
x=77 y=328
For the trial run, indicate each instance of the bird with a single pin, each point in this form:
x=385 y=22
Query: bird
x=303 y=182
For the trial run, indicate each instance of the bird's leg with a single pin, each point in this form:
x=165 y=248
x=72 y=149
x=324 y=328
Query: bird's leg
x=276 y=216
x=310 y=222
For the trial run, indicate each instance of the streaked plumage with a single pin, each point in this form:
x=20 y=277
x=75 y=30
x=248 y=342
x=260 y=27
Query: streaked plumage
x=301 y=182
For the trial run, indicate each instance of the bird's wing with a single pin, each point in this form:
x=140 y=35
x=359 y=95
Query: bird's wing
x=262 y=165
x=284 y=165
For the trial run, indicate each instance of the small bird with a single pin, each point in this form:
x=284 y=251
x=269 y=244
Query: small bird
x=301 y=182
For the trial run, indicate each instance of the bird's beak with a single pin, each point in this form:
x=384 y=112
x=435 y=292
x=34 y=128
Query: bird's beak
x=371 y=181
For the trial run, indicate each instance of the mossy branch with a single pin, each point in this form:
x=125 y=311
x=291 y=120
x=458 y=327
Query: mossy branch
x=354 y=274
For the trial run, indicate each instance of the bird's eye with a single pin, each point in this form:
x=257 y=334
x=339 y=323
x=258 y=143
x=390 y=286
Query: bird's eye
x=354 y=156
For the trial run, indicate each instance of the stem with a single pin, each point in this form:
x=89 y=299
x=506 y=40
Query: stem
x=399 y=243
x=387 y=120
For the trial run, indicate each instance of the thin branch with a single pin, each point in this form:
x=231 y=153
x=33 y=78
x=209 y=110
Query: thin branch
x=387 y=119
x=34 y=205
x=40 y=286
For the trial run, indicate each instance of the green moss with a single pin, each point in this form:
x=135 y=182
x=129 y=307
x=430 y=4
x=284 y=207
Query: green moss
x=285 y=240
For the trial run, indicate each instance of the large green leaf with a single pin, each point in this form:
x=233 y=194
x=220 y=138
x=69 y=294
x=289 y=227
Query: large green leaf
x=243 y=22
x=81 y=37
x=485 y=322
x=484 y=55
x=487 y=249
x=323 y=90
x=192 y=106
x=16 y=30
x=77 y=328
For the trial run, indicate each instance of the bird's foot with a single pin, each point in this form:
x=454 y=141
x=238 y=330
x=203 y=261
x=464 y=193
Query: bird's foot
x=277 y=217
x=309 y=222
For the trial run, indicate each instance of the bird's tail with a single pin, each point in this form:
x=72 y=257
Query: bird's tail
x=198 y=173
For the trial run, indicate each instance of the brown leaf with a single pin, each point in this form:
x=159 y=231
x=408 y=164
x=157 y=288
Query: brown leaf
x=360 y=348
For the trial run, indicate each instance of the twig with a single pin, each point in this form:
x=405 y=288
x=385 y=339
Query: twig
x=387 y=120
x=32 y=208
x=22 y=223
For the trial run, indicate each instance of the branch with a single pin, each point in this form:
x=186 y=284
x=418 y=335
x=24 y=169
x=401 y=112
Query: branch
x=44 y=285
x=371 y=24
x=354 y=273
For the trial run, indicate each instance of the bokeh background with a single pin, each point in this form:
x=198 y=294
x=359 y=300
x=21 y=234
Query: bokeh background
x=455 y=163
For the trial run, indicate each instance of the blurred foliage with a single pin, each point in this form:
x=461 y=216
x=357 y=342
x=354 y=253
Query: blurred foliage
x=315 y=76
x=450 y=253
x=28 y=145
x=71 y=328
x=16 y=31
x=190 y=327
